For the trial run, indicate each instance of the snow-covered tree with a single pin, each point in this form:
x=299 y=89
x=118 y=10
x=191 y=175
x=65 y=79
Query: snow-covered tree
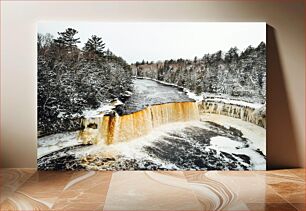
x=68 y=82
x=66 y=39
x=241 y=76
x=94 y=47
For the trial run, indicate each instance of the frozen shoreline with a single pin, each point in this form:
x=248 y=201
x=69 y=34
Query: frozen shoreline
x=204 y=97
x=209 y=97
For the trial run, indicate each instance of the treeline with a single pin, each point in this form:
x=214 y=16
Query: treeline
x=238 y=75
x=71 y=79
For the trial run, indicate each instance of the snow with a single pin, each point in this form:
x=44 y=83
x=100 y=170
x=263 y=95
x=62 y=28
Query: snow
x=235 y=102
x=224 y=144
x=99 y=111
x=117 y=102
x=197 y=98
x=134 y=149
x=56 y=142
x=220 y=143
x=128 y=93
x=52 y=143
x=61 y=114
x=255 y=133
x=208 y=97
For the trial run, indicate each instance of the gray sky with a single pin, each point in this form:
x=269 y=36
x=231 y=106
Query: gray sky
x=154 y=41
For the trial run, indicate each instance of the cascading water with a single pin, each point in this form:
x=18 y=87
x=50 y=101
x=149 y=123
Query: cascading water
x=114 y=128
x=155 y=129
x=254 y=115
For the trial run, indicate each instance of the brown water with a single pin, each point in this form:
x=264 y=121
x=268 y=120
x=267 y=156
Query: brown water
x=114 y=129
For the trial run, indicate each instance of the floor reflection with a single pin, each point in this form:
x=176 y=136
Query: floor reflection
x=28 y=189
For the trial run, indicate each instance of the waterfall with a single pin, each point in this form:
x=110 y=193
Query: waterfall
x=114 y=128
x=245 y=113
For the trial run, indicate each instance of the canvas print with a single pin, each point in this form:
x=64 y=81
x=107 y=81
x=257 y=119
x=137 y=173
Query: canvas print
x=151 y=96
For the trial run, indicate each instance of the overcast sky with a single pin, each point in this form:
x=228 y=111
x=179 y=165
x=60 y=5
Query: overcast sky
x=153 y=41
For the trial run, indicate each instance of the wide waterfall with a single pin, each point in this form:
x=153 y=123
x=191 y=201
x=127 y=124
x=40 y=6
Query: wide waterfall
x=161 y=127
x=115 y=128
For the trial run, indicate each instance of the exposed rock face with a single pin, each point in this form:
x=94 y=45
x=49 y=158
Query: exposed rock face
x=242 y=76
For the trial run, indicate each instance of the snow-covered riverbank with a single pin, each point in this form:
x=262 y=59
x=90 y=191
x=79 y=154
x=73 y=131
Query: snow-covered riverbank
x=218 y=142
x=215 y=142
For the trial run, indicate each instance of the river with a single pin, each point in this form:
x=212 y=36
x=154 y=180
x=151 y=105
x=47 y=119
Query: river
x=149 y=92
x=159 y=128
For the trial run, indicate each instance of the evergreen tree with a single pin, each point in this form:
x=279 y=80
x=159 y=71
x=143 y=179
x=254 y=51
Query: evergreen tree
x=94 y=47
x=247 y=51
x=66 y=44
x=67 y=39
x=67 y=87
x=231 y=55
x=241 y=77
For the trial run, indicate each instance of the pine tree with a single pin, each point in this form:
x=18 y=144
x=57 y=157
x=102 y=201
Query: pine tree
x=94 y=47
x=66 y=44
x=231 y=55
x=66 y=39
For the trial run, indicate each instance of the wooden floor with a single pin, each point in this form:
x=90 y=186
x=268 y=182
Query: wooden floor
x=28 y=189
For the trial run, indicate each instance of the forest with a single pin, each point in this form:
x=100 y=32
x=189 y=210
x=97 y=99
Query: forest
x=233 y=74
x=72 y=79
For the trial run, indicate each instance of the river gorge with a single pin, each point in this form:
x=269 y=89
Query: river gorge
x=160 y=127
